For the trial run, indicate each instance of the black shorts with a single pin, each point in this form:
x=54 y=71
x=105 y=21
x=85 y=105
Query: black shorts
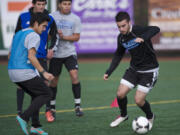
x=144 y=81
x=35 y=87
x=55 y=66
x=43 y=63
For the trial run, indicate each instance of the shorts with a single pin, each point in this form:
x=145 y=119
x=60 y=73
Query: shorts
x=144 y=81
x=55 y=66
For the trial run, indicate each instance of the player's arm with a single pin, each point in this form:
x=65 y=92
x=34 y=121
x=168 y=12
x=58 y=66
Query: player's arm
x=76 y=32
x=54 y=40
x=74 y=37
x=34 y=61
x=53 y=34
x=119 y=53
x=146 y=33
x=18 y=26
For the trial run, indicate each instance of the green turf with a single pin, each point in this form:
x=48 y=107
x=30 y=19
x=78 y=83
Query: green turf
x=98 y=93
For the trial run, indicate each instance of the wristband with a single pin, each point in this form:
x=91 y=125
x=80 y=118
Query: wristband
x=43 y=71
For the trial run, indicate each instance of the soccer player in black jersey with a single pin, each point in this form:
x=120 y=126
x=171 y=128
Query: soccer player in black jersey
x=143 y=70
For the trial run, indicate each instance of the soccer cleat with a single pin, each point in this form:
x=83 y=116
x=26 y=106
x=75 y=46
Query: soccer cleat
x=79 y=112
x=118 y=120
x=49 y=116
x=23 y=124
x=151 y=122
x=37 y=131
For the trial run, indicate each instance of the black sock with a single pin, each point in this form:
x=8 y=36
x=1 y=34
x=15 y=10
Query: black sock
x=53 y=99
x=48 y=106
x=20 y=98
x=147 y=110
x=122 y=106
x=76 y=88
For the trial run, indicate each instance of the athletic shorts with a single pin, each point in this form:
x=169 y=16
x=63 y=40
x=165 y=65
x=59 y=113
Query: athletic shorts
x=55 y=66
x=35 y=87
x=144 y=81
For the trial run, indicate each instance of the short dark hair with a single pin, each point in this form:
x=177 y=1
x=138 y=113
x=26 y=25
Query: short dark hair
x=39 y=17
x=34 y=1
x=60 y=1
x=122 y=16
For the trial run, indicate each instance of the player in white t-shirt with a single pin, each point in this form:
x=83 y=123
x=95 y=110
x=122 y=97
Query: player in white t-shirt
x=69 y=28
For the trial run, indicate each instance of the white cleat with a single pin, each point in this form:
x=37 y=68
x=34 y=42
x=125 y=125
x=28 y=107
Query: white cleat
x=118 y=120
x=151 y=122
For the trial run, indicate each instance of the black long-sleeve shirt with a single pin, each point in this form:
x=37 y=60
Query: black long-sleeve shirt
x=142 y=54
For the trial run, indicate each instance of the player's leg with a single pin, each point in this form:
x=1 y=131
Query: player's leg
x=146 y=83
x=43 y=63
x=37 y=89
x=36 y=126
x=126 y=84
x=19 y=98
x=55 y=67
x=72 y=66
x=122 y=91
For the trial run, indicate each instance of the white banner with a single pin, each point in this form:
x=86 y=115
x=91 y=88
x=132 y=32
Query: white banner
x=10 y=11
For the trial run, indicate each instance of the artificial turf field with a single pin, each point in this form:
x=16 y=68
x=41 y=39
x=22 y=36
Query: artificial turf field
x=97 y=96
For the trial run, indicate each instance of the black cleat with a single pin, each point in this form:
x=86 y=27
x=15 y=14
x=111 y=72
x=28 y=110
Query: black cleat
x=79 y=112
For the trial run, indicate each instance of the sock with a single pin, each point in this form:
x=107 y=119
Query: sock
x=53 y=99
x=20 y=98
x=147 y=110
x=48 y=106
x=122 y=106
x=76 y=88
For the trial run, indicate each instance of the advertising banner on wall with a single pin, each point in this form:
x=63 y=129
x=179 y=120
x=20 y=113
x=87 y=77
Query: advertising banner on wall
x=99 y=30
x=10 y=11
x=166 y=15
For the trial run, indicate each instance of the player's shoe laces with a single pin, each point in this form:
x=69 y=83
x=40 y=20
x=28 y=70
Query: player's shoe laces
x=118 y=120
x=23 y=124
x=37 y=131
x=78 y=111
x=49 y=116
x=151 y=122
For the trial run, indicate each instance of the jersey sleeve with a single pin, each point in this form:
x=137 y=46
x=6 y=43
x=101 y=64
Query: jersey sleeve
x=119 y=53
x=53 y=34
x=32 y=41
x=146 y=32
x=18 y=26
x=78 y=27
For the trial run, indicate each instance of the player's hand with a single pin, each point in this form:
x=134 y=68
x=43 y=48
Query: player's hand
x=50 y=53
x=48 y=76
x=139 y=40
x=105 y=77
x=60 y=34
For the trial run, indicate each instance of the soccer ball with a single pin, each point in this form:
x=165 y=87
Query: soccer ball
x=141 y=125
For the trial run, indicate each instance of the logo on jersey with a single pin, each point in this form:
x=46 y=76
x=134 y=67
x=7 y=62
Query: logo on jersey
x=76 y=66
x=130 y=44
x=28 y=22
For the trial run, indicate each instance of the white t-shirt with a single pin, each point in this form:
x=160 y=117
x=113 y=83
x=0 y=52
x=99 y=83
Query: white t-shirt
x=69 y=24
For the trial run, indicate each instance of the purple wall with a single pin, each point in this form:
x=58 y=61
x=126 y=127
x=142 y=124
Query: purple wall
x=99 y=30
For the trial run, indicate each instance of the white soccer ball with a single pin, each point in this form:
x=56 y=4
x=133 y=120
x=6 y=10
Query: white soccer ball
x=141 y=125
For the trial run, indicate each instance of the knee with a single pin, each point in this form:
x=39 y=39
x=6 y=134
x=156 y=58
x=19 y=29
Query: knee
x=120 y=95
x=139 y=101
x=74 y=77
